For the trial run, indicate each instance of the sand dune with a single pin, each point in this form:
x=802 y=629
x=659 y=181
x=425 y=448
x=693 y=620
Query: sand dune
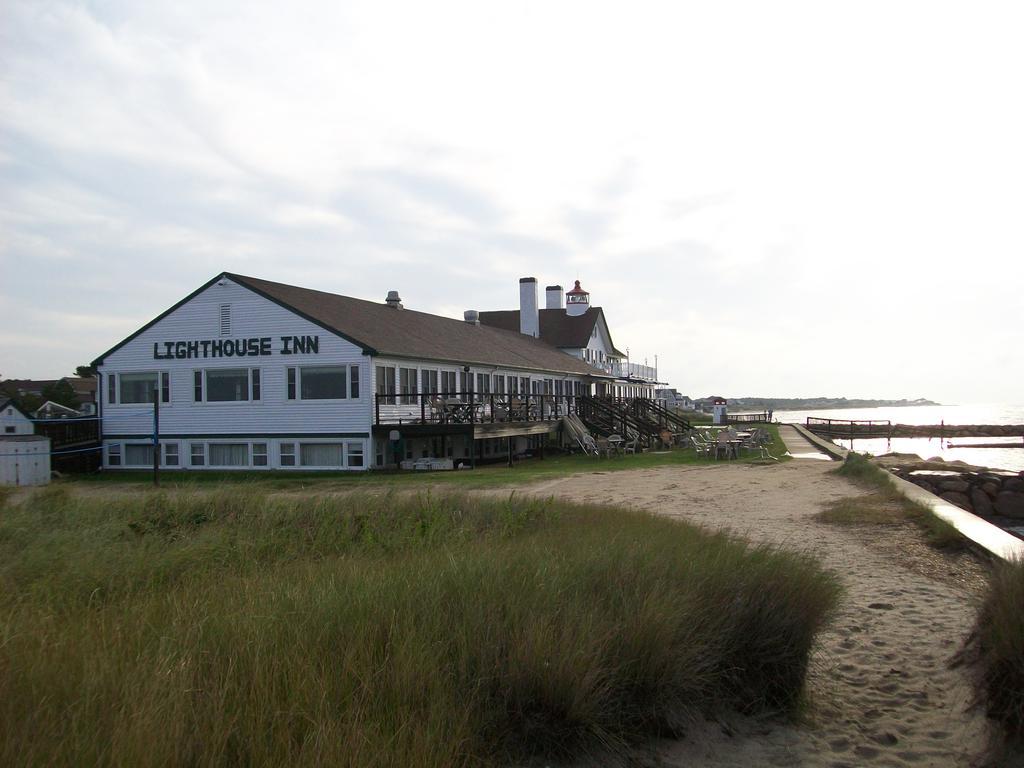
x=881 y=690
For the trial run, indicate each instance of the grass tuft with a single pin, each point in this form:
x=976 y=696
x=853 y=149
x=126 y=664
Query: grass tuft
x=886 y=505
x=431 y=630
x=998 y=648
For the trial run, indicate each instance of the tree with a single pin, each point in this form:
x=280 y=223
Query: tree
x=85 y=371
x=61 y=393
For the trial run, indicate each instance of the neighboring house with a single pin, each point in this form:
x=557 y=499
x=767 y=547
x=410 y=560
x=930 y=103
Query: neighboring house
x=84 y=389
x=52 y=410
x=13 y=420
x=673 y=399
x=577 y=329
x=256 y=374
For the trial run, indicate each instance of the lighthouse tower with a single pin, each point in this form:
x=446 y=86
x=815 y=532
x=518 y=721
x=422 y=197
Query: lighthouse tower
x=577 y=301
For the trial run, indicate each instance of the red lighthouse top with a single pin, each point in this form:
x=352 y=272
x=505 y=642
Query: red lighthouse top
x=577 y=301
x=577 y=291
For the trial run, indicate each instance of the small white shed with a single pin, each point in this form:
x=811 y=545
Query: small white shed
x=13 y=420
x=24 y=460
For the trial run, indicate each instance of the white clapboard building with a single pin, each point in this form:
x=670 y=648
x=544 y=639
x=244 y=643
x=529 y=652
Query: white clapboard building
x=255 y=374
x=13 y=420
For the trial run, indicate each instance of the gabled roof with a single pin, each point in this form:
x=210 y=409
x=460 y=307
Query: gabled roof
x=386 y=331
x=6 y=402
x=49 y=407
x=557 y=327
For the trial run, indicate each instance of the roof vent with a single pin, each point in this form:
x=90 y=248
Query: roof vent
x=471 y=316
x=393 y=300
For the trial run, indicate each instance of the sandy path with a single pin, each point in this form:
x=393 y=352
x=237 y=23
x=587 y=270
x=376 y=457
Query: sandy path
x=881 y=691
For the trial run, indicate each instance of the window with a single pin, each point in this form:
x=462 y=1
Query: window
x=355 y=454
x=465 y=384
x=255 y=373
x=197 y=454
x=448 y=383
x=9 y=430
x=483 y=383
x=430 y=382
x=287 y=454
x=229 y=454
x=139 y=387
x=513 y=385
x=353 y=380
x=320 y=454
x=112 y=389
x=170 y=454
x=386 y=383
x=138 y=455
x=323 y=383
x=114 y=455
x=524 y=386
x=499 y=384
x=227 y=385
x=291 y=383
x=407 y=385
x=259 y=454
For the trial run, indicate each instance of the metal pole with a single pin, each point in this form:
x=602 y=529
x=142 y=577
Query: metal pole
x=156 y=436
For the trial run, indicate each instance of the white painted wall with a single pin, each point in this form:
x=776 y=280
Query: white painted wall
x=273 y=416
x=25 y=462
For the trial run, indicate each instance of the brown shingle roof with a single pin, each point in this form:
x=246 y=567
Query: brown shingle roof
x=382 y=330
x=556 y=327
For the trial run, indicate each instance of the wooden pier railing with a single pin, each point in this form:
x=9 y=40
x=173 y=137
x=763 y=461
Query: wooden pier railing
x=849 y=429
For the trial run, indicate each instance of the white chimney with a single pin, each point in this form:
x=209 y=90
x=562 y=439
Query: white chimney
x=554 y=297
x=393 y=300
x=529 y=311
x=471 y=316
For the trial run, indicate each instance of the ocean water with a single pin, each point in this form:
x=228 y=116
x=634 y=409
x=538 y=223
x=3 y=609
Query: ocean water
x=1011 y=458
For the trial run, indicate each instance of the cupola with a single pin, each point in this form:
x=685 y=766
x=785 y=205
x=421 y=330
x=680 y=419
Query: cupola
x=577 y=301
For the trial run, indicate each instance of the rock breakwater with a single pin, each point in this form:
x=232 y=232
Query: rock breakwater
x=985 y=493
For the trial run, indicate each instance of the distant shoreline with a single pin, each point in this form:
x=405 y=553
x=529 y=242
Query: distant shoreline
x=816 y=404
x=849 y=407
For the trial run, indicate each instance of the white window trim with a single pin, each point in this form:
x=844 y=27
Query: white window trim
x=347 y=367
x=124 y=454
x=116 y=376
x=227 y=441
x=230 y=403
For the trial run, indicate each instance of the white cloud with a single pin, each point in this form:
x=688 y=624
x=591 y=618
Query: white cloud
x=824 y=196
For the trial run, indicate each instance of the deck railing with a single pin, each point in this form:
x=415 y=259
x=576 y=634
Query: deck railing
x=849 y=428
x=444 y=408
x=747 y=418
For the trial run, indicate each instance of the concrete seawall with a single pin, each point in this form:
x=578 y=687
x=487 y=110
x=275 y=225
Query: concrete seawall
x=988 y=537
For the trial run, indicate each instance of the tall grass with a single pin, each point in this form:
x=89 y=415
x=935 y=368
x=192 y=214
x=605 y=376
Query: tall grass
x=998 y=648
x=233 y=628
x=879 y=506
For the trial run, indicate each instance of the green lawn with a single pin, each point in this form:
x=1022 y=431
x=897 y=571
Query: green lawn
x=484 y=476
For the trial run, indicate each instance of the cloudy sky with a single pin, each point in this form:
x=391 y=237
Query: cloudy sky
x=776 y=199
